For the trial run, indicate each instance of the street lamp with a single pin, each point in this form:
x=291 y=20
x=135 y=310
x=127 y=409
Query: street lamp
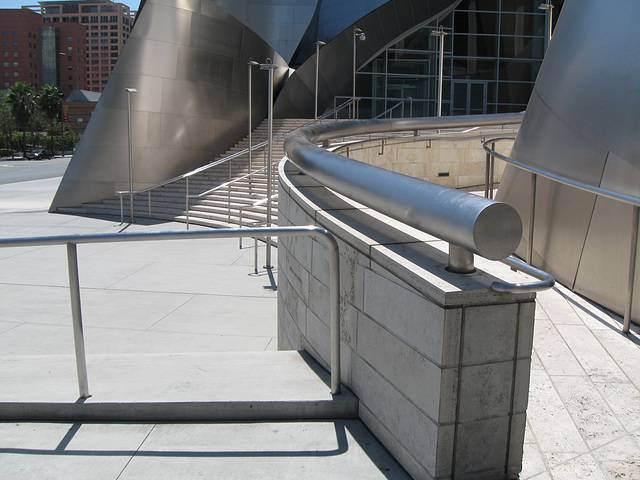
x=319 y=43
x=359 y=35
x=250 y=63
x=270 y=66
x=439 y=32
x=548 y=17
x=129 y=92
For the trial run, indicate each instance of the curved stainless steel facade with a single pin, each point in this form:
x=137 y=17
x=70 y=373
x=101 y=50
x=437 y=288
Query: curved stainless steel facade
x=383 y=26
x=188 y=61
x=582 y=122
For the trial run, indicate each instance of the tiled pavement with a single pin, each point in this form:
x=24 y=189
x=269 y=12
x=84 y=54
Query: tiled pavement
x=584 y=406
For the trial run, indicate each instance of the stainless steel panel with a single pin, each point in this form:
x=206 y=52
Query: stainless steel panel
x=166 y=24
x=582 y=122
x=545 y=141
x=607 y=246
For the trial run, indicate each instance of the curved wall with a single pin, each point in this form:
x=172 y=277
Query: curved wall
x=582 y=122
x=188 y=61
x=439 y=362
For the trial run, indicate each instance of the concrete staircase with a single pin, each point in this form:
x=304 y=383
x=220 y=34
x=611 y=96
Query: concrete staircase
x=230 y=206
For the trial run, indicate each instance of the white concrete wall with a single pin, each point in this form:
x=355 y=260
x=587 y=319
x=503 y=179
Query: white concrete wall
x=439 y=362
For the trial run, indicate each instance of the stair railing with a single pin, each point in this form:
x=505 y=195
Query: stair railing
x=399 y=104
x=227 y=159
x=71 y=241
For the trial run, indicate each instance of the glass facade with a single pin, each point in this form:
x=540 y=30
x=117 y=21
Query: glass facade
x=492 y=54
x=50 y=56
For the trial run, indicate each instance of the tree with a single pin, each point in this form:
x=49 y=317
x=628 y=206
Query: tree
x=22 y=99
x=7 y=125
x=50 y=102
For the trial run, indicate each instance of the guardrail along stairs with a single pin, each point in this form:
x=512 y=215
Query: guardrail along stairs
x=220 y=208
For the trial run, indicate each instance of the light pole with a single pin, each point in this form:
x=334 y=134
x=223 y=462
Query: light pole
x=548 y=17
x=268 y=65
x=439 y=32
x=129 y=92
x=358 y=34
x=319 y=43
x=251 y=63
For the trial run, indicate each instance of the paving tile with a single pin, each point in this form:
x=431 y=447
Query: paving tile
x=624 y=401
x=591 y=414
x=532 y=462
x=342 y=449
x=555 y=355
x=621 y=458
x=70 y=451
x=583 y=467
x=556 y=434
x=556 y=307
x=595 y=361
x=624 y=350
x=219 y=314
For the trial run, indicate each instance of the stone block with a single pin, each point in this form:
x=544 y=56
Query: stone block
x=431 y=388
x=412 y=318
x=319 y=300
x=482 y=446
x=485 y=391
x=489 y=334
x=410 y=428
x=526 y=318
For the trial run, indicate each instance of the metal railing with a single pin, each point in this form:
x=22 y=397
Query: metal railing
x=71 y=241
x=185 y=176
x=634 y=201
x=471 y=224
x=397 y=105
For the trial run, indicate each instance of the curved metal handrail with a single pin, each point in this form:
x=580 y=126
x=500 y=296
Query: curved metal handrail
x=559 y=178
x=464 y=220
x=546 y=280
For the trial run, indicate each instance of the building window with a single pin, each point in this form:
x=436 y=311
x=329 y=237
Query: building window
x=94 y=19
x=46 y=20
x=15 y=54
x=5 y=44
x=15 y=64
x=56 y=20
x=6 y=64
x=15 y=74
x=14 y=34
x=15 y=44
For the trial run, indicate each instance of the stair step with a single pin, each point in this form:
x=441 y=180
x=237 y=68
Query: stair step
x=221 y=386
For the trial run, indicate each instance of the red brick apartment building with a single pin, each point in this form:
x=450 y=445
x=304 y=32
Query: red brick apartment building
x=40 y=54
x=108 y=25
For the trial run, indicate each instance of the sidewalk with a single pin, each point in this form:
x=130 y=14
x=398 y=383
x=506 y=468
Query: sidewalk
x=584 y=406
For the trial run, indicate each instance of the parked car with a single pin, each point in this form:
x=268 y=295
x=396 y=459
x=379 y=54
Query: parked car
x=39 y=154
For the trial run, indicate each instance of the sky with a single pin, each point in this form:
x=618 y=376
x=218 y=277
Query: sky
x=132 y=4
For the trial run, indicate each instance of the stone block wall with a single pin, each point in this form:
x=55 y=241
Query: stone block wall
x=455 y=163
x=439 y=362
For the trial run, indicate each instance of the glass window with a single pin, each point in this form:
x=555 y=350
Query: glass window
x=14 y=44
x=15 y=54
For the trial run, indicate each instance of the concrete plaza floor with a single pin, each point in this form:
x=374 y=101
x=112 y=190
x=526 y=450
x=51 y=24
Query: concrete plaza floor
x=584 y=407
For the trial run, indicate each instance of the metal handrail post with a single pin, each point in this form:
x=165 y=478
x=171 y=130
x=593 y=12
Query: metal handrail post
x=532 y=217
x=492 y=163
x=121 y=211
x=632 y=268
x=270 y=67
x=149 y=201
x=76 y=313
x=186 y=201
x=487 y=171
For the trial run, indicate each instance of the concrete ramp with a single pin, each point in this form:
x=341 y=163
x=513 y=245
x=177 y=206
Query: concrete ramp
x=219 y=386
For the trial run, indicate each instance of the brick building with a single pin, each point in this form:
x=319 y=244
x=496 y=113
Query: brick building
x=107 y=24
x=40 y=54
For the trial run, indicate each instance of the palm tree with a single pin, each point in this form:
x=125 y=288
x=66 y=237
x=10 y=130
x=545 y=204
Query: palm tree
x=22 y=99
x=50 y=102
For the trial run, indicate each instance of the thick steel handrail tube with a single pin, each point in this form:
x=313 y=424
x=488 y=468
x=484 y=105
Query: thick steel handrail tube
x=485 y=227
x=76 y=314
x=320 y=233
x=546 y=280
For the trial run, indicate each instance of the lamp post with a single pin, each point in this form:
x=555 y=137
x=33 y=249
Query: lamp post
x=548 y=17
x=270 y=66
x=251 y=63
x=358 y=34
x=319 y=43
x=439 y=32
x=129 y=92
